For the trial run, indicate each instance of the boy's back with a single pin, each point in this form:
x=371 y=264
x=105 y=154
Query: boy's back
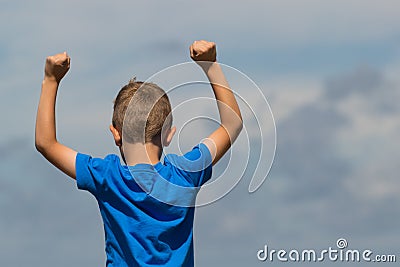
x=147 y=206
x=139 y=228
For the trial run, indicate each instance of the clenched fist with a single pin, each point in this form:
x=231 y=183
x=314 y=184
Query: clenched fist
x=203 y=51
x=57 y=66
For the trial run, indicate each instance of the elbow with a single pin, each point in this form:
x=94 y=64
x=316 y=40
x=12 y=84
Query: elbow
x=39 y=147
x=240 y=125
x=233 y=129
x=42 y=146
x=238 y=128
x=237 y=125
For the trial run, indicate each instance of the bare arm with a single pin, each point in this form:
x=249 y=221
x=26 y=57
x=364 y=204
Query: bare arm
x=219 y=142
x=45 y=133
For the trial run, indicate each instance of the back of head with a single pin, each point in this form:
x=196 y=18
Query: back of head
x=141 y=112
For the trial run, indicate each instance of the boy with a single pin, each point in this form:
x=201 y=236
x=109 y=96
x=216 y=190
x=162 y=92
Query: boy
x=140 y=228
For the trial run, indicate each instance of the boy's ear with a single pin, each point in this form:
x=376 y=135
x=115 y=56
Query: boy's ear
x=116 y=135
x=169 y=136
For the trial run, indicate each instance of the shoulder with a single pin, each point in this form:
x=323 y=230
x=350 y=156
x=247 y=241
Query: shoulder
x=192 y=161
x=194 y=166
x=87 y=160
x=91 y=172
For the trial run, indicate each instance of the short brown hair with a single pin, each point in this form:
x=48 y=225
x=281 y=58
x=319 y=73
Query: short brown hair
x=145 y=115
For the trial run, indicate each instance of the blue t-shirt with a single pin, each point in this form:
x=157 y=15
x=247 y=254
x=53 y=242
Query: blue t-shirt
x=147 y=210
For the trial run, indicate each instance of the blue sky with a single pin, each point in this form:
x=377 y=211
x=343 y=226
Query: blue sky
x=329 y=70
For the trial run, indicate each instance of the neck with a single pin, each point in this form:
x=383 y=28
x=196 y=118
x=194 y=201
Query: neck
x=141 y=153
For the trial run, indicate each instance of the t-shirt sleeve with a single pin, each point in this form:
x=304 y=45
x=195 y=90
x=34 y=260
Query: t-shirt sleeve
x=91 y=173
x=195 y=166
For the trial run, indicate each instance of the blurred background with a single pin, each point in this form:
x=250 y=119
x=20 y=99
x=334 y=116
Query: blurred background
x=329 y=70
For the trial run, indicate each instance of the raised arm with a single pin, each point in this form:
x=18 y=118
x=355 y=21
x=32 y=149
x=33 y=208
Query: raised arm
x=204 y=53
x=45 y=134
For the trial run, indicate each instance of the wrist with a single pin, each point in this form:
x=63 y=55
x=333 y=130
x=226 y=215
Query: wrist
x=208 y=66
x=48 y=80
